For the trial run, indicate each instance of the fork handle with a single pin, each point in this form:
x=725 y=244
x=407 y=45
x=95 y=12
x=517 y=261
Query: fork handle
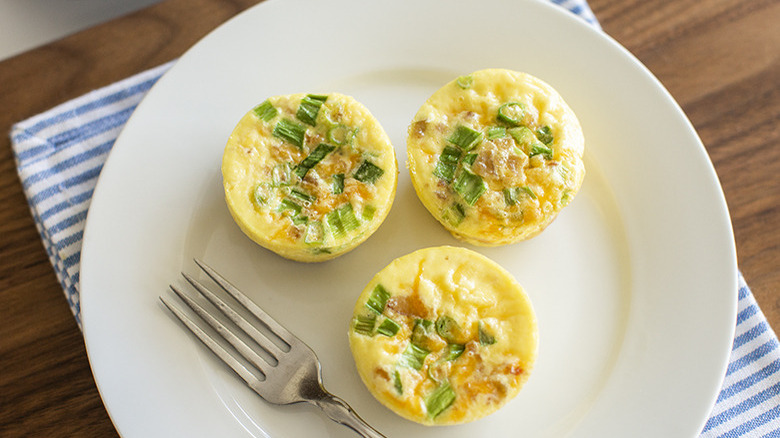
x=339 y=411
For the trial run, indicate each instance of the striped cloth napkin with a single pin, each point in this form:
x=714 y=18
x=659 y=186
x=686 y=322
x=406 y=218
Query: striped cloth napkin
x=59 y=155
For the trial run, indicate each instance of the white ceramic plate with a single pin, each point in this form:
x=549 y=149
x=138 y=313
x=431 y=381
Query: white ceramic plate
x=634 y=284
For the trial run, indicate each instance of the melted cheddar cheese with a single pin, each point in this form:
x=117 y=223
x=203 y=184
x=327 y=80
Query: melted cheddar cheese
x=443 y=336
x=495 y=156
x=309 y=176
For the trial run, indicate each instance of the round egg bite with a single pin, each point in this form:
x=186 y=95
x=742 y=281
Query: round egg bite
x=443 y=336
x=495 y=156
x=309 y=176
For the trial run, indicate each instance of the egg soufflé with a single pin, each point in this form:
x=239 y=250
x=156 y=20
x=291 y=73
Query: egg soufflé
x=309 y=176
x=443 y=336
x=495 y=155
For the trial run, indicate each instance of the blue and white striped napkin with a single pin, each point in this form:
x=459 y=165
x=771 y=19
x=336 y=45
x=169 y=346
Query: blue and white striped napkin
x=60 y=153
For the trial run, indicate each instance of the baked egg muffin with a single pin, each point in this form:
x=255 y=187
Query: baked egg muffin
x=443 y=336
x=495 y=155
x=309 y=176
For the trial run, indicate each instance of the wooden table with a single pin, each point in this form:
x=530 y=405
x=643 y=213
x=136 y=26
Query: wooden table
x=719 y=58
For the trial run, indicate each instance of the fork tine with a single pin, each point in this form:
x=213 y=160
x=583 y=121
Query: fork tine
x=212 y=344
x=271 y=323
x=237 y=319
x=242 y=348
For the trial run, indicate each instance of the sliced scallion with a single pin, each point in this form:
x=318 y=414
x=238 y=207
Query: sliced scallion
x=465 y=82
x=455 y=214
x=300 y=220
x=290 y=131
x=347 y=217
x=378 y=299
x=397 y=383
x=368 y=212
x=413 y=357
x=495 y=132
x=302 y=196
x=454 y=351
x=470 y=159
x=529 y=191
x=540 y=149
x=314 y=233
x=281 y=175
x=309 y=108
x=545 y=135
x=265 y=111
x=469 y=186
x=288 y=204
x=422 y=332
x=388 y=327
x=447 y=328
x=512 y=113
x=338 y=184
x=313 y=158
x=340 y=134
x=364 y=324
x=448 y=163
x=485 y=337
x=440 y=399
x=261 y=194
x=368 y=172
x=510 y=195
x=465 y=137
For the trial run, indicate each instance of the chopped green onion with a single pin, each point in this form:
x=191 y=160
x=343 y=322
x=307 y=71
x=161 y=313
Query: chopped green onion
x=378 y=299
x=440 y=399
x=485 y=338
x=302 y=196
x=314 y=233
x=397 y=383
x=338 y=184
x=340 y=134
x=465 y=81
x=448 y=163
x=544 y=134
x=529 y=143
x=495 y=132
x=540 y=149
x=512 y=113
x=309 y=107
x=413 y=357
x=290 y=131
x=313 y=158
x=566 y=197
x=465 y=137
x=261 y=194
x=470 y=159
x=265 y=111
x=368 y=172
x=422 y=332
x=469 y=186
x=348 y=219
x=454 y=214
x=529 y=191
x=300 y=220
x=368 y=212
x=281 y=175
x=447 y=328
x=388 y=327
x=364 y=324
x=288 y=204
x=454 y=351
x=510 y=195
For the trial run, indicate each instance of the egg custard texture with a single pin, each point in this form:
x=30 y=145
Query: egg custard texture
x=309 y=176
x=495 y=156
x=443 y=335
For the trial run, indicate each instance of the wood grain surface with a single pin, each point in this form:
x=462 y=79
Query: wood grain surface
x=719 y=58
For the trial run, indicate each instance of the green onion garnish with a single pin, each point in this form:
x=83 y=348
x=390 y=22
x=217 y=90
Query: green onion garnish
x=454 y=351
x=413 y=356
x=340 y=134
x=265 y=111
x=540 y=149
x=368 y=212
x=470 y=159
x=485 y=338
x=314 y=233
x=261 y=194
x=566 y=197
x=313 y=158
x=347 y=216
x=455 y=214
x=288 y=204
x=422 y=331
x=281 y=175
x=364 y=324
x=388 y=327
x=309 y=107
x=300 y=220
x=465 y=137
x=495 y=132
x=528 y=191
x=338 y=184
x=465 y=81
x=510 y=195
x=512 y=113
x=378 y=299
x=448 y=163
x=290 y=131
x=469 y=186
x=447 y=328
x=368 y=172
x=302 y=196
x=440 y=399
x=544 y=134
x=529 y=143
x=399 y=386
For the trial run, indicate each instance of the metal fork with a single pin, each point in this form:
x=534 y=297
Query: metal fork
x=292 y=374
